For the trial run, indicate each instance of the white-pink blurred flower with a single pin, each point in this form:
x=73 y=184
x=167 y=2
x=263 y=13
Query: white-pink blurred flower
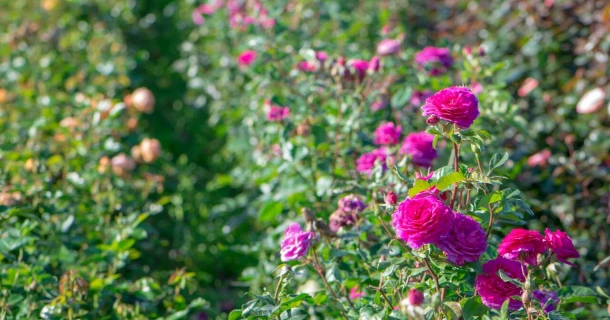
x=539 y=159
x=246 y=58
x=591 y=102
x=528 y=86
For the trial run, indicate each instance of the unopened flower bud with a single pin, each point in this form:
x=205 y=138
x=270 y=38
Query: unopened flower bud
x=467 y=50
x=525 y=297
x=416 y=297
x=391 y=198
x=432 y=120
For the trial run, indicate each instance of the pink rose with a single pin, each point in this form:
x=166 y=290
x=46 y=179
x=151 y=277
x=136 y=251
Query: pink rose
x=454 y=104
x=388 y=47
x=561 y=245
x=465 y=242
x=246 y=58
x=438 y=58
x=527 y=86
x=340 y=218
x=522 y=245
x=276 y=113
x=387 y=134
x=308 y=66
x=374 y=64
x=418 y=145
x=296 y=242
x=390 y=198
x=351 y=203
x=493 y=290
x=422 y=219
x=539 y=159
x=366 y=162
x=359 y=66
x=354 y=294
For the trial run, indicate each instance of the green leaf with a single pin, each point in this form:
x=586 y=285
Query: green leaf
x=296 y=301
x=400 y=98
x=449 y=180
x=601 y=263
x=573 y=294
x=556 y=315
x=473 y=308
x=496 y=161
x=270 y=210
x=235 y=314
x=490 y=198
x=420 y=185
x=320 y=298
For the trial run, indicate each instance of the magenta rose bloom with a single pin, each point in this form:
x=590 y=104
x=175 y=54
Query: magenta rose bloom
x=493 y=290
x=438 y=59
x=387 y=134
x=388 y=47
x=366 y=162
x=422 y=219
x=351 y=203
x=246 y=58
x=359 y=66
x=561 y=245
x=454 y=104
x=415 y=297
x=548 y=299
x=521 y=244
x=295 y=243
x=355 y=294
x=419 y=146
x=465 y=242
x=340 y=218
x=374 y=64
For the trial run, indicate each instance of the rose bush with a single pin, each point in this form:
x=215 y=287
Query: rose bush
x=335 y=159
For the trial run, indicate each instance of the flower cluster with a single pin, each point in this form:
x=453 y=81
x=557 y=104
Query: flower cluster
x=241 y=13
x=348 y=212
x=438 y=60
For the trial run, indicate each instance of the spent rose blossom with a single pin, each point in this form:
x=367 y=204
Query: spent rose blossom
x=548 y=299
x=351 y=203
x=561 y=245
x=457 y=105
x=366 y=162
x=522 y=245
x=276 y=113
x=340 y=218
x=415 y=297
x=419 y=145
x=493 y=290
x=439 y=59
x=422 y=219
x=388 y=47
x=465 y=242
x=387 y=134
x=246 y=58
x=296 y=242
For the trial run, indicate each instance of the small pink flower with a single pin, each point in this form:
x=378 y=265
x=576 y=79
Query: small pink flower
x=419 y=97
x=493 y=290
x=340 y=218
x=522 y=245
x=359 y=66
x=476 y=88
x=388 y=47
x=321 y=56
x=454 y=104
x=277 y=113
x=528 y=86
x=296 y=242
x=419 y=146
x=422 y=219
x=366 y=162
x=379 y=104
x=374 y=64
x=246 y=58
x=415 y=297
x=539 y=159
x=354 y=294
x=387 y=134
x=439 y=59
x=561 y=245
x=308 y=66
x=197 y=17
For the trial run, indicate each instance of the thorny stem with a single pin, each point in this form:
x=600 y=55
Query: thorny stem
x=277 y=288
x=491 y=222
x=318 y=268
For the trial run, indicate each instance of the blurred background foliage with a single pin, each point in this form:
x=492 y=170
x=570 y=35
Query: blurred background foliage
x=173 y=237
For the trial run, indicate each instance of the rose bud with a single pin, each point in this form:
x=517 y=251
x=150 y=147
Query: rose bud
x=416 y=298
x=143 y=100
x=391 y=198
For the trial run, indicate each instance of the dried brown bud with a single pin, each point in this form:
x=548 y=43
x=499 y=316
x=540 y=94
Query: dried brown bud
x=308 y=215
x=321 y=227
